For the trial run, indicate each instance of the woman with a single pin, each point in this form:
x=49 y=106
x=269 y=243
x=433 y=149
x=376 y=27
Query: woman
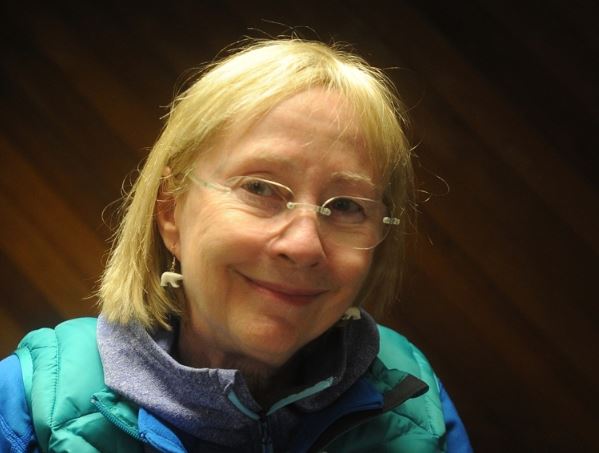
x=270 y=210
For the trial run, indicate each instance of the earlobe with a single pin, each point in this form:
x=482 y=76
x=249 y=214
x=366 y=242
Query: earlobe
x=165 y=209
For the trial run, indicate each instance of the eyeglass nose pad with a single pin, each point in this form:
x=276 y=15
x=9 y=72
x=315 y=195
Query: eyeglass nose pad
x=311 y=207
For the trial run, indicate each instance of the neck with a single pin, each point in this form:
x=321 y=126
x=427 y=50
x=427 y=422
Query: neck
x=263 y=380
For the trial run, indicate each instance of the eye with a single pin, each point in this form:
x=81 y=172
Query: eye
x=347 y=210
x=264 y=198
x=259 y=187
x=346 y=205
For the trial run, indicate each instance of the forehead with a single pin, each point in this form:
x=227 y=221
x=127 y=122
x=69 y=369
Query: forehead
x=312 y=130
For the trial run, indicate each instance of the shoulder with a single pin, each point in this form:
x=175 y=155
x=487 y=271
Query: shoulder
x=67 y=349
x=434 y=411
x=396 y=352
x=60 y=369
x=81 y=329
x=45 y=349
x=16 y=428
x=397 y=358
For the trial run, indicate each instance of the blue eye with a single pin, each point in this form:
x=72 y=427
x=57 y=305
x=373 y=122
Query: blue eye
x=345 y=205
x=346 y=210
x=259 y=187
x=264 y=198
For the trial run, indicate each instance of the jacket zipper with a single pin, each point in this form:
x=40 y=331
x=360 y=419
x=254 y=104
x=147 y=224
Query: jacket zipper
x=265 y=434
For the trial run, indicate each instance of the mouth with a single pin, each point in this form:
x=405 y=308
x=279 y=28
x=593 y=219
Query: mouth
x=284 y=292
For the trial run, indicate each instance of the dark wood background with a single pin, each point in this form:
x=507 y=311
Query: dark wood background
x=502 y=288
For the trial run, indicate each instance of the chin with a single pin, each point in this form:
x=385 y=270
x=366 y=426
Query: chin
x=272 y=343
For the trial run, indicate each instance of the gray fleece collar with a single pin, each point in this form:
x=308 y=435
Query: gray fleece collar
x=197 y=401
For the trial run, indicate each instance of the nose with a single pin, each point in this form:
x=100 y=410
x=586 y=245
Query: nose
x=299 y=242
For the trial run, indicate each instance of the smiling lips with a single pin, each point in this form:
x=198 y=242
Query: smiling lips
x=286 y=293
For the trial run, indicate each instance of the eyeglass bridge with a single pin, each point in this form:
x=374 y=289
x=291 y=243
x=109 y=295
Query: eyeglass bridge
x=309 y=206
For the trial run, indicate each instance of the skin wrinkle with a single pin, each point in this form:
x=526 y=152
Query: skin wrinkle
x=263 y=158
x=240 y=90
x=235 y=321
x=347 y=134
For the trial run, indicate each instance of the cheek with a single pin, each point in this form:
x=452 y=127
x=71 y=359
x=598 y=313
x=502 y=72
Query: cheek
x=195 y=231
x=354 y=268
x=213 y=238
x=352 y=271
x=200 y=222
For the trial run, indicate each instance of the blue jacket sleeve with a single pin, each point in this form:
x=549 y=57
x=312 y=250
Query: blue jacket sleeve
x=16 y=427
x=457 y=438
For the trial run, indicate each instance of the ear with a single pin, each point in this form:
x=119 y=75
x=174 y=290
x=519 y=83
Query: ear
x=165 y=208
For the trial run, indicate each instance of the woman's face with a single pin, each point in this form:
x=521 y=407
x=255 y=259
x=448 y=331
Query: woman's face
x=256 y=293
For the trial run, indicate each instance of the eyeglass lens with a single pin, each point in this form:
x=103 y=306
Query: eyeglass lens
x=345 y=220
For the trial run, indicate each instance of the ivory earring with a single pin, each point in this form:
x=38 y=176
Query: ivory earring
x=351 y=314
x=170 y=277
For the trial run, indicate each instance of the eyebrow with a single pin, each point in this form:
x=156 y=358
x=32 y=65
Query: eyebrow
x=266 y=158
x=350 y=176
x=338 y=176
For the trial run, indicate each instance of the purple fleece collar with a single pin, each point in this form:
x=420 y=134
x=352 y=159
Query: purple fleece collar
x=138 y=366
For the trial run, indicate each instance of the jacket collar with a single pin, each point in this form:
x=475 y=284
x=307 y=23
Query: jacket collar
x=205 y=403
x=359 y=404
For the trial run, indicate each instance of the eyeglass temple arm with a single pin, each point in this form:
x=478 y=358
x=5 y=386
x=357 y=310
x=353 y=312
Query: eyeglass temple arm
x=212 y=185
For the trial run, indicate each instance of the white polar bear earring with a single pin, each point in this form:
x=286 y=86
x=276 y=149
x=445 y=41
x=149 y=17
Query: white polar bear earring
x=170 y=277
x=351 y=314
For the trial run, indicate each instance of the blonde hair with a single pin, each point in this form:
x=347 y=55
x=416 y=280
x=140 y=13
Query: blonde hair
x=242 y=87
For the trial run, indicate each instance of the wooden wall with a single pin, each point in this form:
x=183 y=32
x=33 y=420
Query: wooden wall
x=502 y=288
